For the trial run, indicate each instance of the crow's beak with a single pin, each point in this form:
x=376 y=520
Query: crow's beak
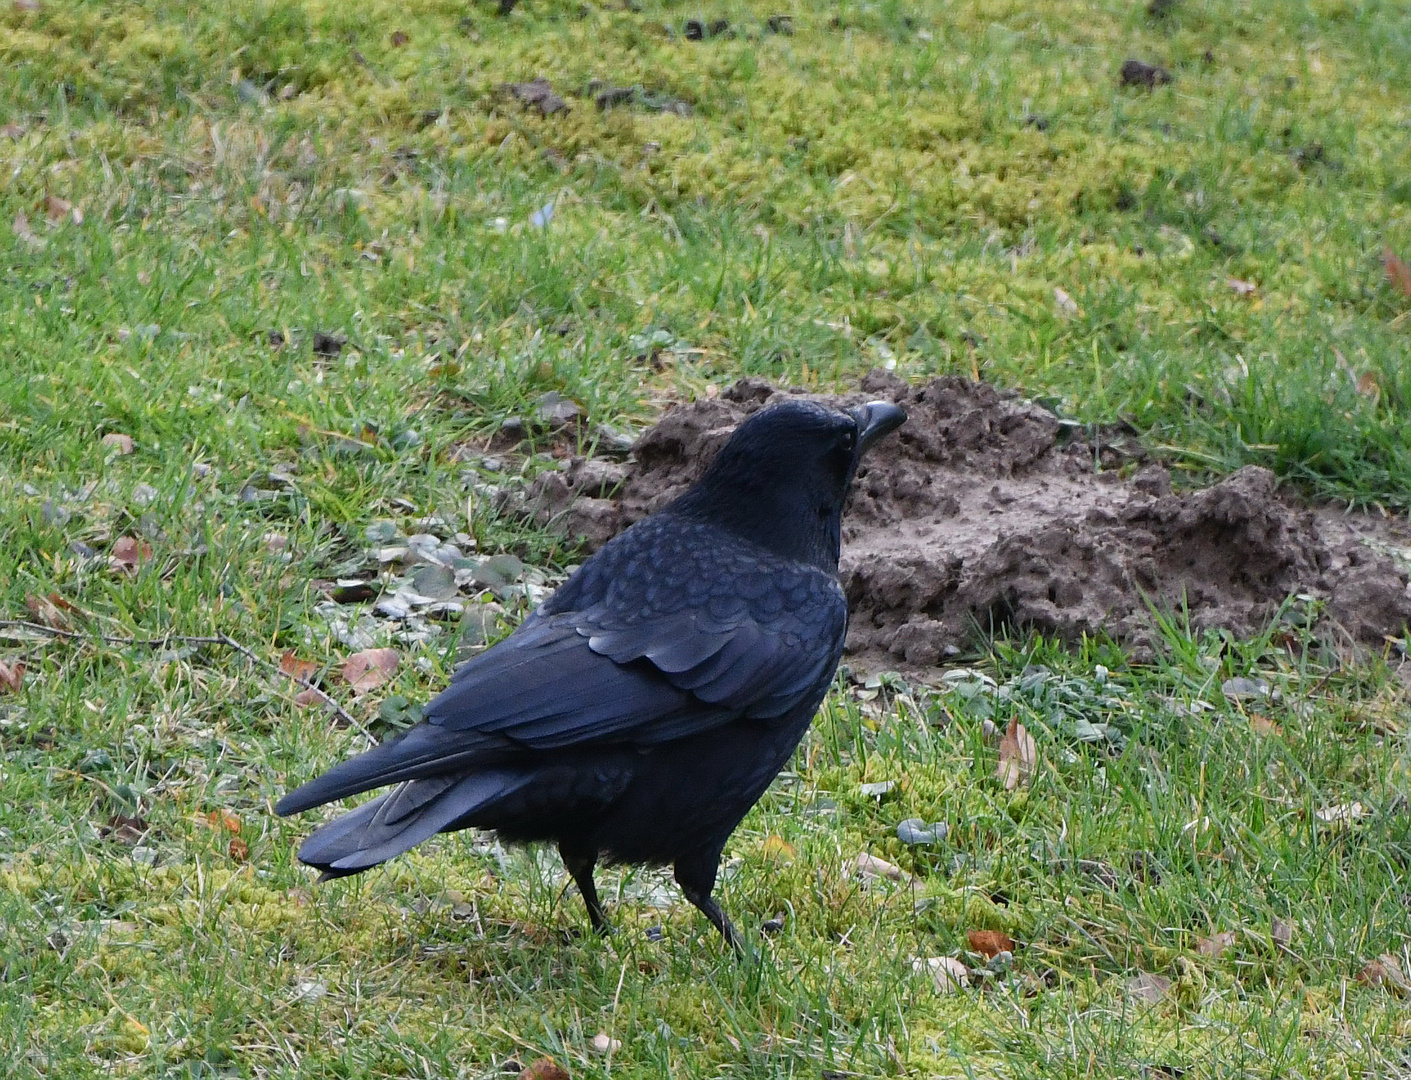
x=875 y=419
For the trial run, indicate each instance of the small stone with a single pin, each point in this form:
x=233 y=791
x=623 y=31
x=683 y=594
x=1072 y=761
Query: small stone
x=915 y=831
x=604 y=1044
x=1137 y=73
x=1240 y=687
x=948 y=973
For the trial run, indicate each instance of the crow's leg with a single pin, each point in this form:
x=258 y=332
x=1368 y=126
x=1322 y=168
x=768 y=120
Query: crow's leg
x=695 y=874
x=580 y=865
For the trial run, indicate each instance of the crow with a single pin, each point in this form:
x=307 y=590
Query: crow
x=644 y=707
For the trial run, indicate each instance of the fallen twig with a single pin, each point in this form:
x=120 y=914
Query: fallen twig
x=224 y=640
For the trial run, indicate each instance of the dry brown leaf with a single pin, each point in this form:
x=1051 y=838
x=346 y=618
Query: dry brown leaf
x=22 y=230
x=57 y=209
x=990 y=943
x=124 y=829
x=291 y=665
x=223 y=819
x=1215 y=944
x=1017 y=756
x=11 y=131
x=1281 y=932
x=544 y=1068
x=1398 y=273
x=399 y=38
x=869 y=867
x=1144 y=986
x=369 y=669
x=118 y=441
x=1368 y=386
x=46 y=610
x=1242 y=288
x=129 y=553
x=304 y=698
x=237 y=849
x=1262 y=725
x=1385 y=971
x=11 y=676
x=777 y=849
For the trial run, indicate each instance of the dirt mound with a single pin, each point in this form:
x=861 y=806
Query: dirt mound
x=986 y=510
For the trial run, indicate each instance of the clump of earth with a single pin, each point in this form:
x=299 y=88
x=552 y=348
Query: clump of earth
x=987 y=512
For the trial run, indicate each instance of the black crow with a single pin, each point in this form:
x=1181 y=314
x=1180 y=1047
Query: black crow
x=640 y=712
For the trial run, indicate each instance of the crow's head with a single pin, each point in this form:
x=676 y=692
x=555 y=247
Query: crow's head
x=782 y=478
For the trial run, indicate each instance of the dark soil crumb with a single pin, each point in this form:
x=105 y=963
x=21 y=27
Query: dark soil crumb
x=695 y=30
x=1137 y=73
x=326 y=344
x=607 y=96
x=538 y=93
x=985 y=512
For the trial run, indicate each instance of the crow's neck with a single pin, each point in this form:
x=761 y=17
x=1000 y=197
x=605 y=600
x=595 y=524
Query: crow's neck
x=783 y=522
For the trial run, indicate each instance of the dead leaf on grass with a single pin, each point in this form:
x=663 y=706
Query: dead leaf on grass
x=295 y=668
x=1067 y=306
x=26 y=234
x=1242 y=288
x=129 y=553
x=238 y=850
x=777 y=849
x=11 y=676
x=544 y=1068
x=222 y=819
x=369 y=669
x=1281 y=932
x=124 y=829
x=57 y=210
x=304 y=698
x=118 y=441
x=1368 y=386
x=1385 y=972
x=49 y=610
x=1215 y=944
x=1144 y=986
x=1262 y=725
x=990 y=943
x=1018 y=756
x=12 y=131
x=1398 y=273
x=399 y=38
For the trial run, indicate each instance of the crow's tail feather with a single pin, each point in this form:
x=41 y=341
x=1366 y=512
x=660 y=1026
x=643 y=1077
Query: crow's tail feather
x=401 y=819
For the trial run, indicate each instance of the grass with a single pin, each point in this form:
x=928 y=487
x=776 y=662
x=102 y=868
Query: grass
x=894 y=184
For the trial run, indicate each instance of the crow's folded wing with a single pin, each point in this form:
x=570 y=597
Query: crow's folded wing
x=615 y=673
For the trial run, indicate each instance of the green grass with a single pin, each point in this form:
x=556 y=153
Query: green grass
x=893 y=183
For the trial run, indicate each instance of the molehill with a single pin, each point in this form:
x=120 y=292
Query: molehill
x=988 y=511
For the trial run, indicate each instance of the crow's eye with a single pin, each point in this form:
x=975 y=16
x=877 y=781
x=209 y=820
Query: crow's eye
x=848 y=440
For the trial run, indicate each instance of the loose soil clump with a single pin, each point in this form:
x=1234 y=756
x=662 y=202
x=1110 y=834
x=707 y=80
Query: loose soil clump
x=987 y=512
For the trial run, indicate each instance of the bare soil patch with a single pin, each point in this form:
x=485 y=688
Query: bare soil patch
x=986 y=511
